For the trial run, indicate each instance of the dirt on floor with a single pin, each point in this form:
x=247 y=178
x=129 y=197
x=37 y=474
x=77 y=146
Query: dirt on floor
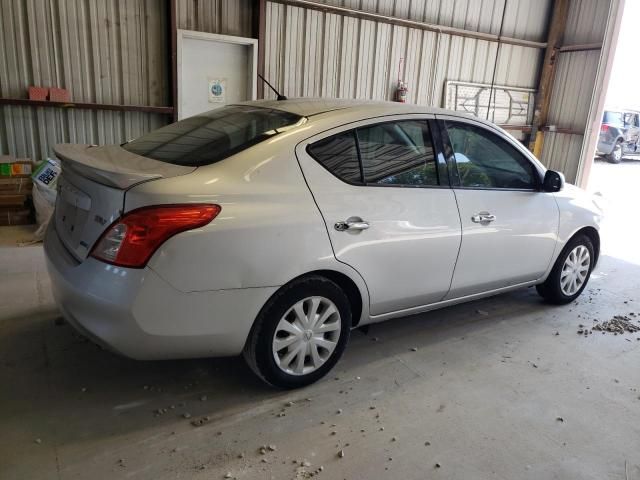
x=500 y=388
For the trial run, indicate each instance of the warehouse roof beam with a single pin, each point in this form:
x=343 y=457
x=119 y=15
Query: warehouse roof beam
x=403 y=22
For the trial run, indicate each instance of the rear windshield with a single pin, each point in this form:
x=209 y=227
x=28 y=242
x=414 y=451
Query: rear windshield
x=613 y=118
x=210 y=137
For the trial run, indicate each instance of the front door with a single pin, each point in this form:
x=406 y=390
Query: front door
x=388 y=208
x=509 y=226
x=632 y=128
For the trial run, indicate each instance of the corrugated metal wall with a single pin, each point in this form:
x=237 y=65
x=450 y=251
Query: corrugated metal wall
x=524 y=19
x=573 y=86
x=228 y=17
x=115 y=51
x=102 y=51
x=312 y=53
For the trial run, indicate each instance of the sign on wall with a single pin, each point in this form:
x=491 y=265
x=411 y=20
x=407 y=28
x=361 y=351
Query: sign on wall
x=217 y=90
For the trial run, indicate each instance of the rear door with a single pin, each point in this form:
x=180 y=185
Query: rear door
x=632 y=127
x=509 y=226
x=384 y=195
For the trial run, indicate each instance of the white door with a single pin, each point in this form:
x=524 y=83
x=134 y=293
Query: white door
x=509 y=226
x=388 y=216
x=214 y=70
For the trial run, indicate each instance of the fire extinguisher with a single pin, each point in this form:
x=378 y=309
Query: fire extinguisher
x=401 y=91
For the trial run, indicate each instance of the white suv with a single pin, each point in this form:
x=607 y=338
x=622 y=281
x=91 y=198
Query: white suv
x=273 y=228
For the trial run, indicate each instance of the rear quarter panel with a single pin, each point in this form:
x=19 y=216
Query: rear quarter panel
x=607 y=141
x=268 y=232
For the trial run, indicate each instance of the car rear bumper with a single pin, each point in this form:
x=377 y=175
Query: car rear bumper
x=605 y=147
x=136 y=313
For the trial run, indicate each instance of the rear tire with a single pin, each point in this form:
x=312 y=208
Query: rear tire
x=616 y=155
x=570 y=273
x=300 y=334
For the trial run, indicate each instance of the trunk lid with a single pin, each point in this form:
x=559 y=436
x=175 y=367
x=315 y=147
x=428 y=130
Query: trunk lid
x=92 y=187
x=113 y=166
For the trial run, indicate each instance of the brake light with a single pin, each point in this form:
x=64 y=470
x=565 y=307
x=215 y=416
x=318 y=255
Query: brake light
x=131 y=240
x=604 y=128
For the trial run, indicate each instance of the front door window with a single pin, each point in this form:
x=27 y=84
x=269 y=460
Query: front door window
x=485 y=160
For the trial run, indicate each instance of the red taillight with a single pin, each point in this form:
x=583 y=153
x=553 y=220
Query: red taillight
x=131 y=240
x=604 y=128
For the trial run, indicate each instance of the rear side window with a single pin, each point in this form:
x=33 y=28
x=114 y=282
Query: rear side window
x=398 y=153
x=613 y=118
x=385 y=154
x=213 y=136
x=339 y=155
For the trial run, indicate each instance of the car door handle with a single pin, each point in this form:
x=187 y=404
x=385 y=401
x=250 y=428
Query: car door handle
x=483 y=217
x=351 y=224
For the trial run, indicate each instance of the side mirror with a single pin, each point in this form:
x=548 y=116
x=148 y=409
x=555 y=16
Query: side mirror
x=553 y=181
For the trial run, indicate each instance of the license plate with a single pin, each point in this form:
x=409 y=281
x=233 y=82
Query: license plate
x=72 y=207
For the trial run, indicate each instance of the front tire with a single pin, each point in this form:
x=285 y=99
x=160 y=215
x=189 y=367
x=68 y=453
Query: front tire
x=300 y=334
x=616 y=155
x=570 y=273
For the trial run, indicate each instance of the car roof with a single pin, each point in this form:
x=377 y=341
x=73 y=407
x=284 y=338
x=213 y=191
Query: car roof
x=309 y=107
x=322 y=110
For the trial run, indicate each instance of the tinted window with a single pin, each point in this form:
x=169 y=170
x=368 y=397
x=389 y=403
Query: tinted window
x=339 y=155
x=398 y=153
x=485 y=160
x=630 y=119
x=212 y=136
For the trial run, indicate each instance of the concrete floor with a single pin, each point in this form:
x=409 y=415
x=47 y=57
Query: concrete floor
x=491 y=388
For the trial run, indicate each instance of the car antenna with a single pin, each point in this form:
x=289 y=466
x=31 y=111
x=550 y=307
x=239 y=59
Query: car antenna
x=280 y=97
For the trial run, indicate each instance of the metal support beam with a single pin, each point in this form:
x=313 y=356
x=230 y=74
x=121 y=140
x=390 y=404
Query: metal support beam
x=596 y=108
x=403 y=22
x=545 y=85
x=173 y=51
x=581 y=48
x=259 y=32
x=547 y=128
x=87 y=106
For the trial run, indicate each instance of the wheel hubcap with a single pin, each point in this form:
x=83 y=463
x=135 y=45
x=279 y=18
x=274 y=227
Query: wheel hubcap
x=575 y=270
x=306 y=335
